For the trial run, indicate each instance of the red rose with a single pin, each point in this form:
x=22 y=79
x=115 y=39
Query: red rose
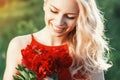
x=46 y=62
x=28 y=55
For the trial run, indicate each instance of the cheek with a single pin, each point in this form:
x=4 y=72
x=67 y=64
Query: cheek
x=48 y=17
x=72 y=23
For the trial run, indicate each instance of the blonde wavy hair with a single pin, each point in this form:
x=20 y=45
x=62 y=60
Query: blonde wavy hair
x=87 y=42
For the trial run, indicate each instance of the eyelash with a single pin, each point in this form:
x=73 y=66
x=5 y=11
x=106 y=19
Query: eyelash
x=70 y=17
x=55 y=12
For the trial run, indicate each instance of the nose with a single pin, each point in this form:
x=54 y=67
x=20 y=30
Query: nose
x=59 y=20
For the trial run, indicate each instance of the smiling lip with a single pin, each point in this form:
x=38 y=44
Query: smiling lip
x=57 y=29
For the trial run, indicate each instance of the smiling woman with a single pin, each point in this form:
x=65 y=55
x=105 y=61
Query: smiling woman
x=72 y=40
x=60 y=20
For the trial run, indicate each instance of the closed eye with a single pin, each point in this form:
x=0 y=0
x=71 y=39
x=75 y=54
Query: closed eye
x=53 y=11
x=70 y=17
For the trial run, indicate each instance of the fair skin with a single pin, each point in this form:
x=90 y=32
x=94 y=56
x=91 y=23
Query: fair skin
x=60 y=19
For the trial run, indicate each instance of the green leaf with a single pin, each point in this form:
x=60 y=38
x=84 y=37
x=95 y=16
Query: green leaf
x=24 y=73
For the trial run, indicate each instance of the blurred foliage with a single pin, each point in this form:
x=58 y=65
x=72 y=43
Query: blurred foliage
x=111 y=12
x=21 y=17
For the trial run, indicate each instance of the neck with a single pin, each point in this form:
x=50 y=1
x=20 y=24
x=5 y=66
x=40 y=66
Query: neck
x=57 y=40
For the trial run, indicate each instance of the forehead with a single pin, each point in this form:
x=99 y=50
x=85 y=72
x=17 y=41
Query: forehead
x=65 y=5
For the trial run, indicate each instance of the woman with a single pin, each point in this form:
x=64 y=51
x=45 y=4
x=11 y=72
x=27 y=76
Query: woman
x=76 y=24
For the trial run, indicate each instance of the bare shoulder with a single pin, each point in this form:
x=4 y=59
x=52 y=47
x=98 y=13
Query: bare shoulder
x=14 y=55
x=21 y=40
x=16 y=44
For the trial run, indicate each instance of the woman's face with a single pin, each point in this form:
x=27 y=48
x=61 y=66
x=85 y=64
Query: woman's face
x=61 y=16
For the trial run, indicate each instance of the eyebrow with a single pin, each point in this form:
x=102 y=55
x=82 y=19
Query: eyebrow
x=66 y=13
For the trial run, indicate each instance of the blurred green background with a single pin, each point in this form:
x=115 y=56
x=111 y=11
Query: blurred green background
x=18 y=17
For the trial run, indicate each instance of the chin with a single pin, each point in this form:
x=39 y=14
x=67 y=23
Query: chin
x=57 y=34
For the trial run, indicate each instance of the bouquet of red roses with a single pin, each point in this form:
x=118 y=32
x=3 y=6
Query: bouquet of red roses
x=38 y=63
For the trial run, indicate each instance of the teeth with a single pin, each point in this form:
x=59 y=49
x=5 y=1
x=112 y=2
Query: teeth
x=56 y=29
